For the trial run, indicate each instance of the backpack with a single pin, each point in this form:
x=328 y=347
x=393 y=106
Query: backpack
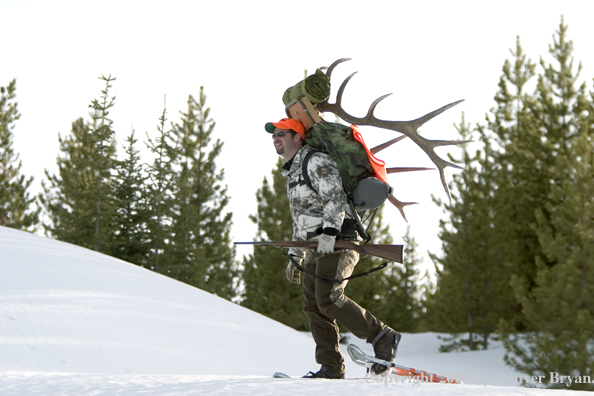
x=364 y=177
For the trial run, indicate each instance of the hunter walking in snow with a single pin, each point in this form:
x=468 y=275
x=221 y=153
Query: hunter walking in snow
x=321 y=213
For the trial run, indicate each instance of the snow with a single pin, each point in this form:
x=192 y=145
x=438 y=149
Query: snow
x=77 y=322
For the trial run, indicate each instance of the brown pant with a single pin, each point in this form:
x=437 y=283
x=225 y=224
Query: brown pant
x=325 y=303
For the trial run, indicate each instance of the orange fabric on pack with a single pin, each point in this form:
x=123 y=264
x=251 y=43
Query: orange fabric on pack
x=378 y=165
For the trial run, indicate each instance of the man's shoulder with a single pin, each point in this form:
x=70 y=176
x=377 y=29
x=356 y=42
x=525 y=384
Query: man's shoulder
x=310 y=158
x=305 y=154
x=316 y=157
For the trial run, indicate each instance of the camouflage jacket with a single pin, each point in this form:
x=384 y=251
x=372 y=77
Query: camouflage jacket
x=326 y=207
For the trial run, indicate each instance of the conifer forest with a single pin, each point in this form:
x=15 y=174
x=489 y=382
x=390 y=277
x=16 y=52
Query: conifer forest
x=517 y=259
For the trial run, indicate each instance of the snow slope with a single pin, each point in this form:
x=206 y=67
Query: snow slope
x=77 y=322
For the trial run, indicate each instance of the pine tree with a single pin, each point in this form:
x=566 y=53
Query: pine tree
x=200 y=248
x=522 y=177
x=15 y=202
x=131 y=237
x=427 y=287
x=79 y=200
x=265 y=286
x=472 y=293
x=404 y=298
x=560 y=303
x=160 y=191
x=541 y=129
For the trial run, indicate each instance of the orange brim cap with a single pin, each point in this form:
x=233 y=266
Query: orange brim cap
x=286 y=123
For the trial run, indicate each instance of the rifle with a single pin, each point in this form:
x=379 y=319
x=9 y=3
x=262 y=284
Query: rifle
x=387 y=252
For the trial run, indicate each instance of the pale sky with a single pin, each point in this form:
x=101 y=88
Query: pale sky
x=246 y=53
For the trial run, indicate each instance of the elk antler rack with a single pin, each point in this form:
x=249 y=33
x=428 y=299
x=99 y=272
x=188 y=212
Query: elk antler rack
x=407 y=128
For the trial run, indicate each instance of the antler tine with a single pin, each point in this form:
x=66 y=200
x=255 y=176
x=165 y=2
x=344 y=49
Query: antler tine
x=341 y=91
x=404 y=169
x=374 y=105
x=444 y=183
x=400 y=205
x=438 y=143
x=437 y=112
x=379 y=148
x=336 y=63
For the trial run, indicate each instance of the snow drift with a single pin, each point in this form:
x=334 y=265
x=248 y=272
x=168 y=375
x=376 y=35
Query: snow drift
x=68 y=309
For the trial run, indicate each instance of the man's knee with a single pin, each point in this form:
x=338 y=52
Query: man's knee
x=327 y=307
x=310 y=307
x=331 y=300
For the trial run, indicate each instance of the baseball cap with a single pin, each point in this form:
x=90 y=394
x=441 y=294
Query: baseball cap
x=286 y=123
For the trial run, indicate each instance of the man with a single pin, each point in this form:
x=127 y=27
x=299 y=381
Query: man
x=318 y=214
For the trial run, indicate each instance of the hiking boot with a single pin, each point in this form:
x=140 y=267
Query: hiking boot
x=323 y=373
x=385 y=346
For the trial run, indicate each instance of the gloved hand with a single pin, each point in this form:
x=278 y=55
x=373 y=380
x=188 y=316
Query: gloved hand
x=293 y=272
x=325 y=243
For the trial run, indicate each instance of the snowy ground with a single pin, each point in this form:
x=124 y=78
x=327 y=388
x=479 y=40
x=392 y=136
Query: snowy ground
x=76 y=322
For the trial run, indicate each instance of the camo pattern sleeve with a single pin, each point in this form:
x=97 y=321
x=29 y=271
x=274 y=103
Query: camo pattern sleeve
x=325 y=178
x=311 y=210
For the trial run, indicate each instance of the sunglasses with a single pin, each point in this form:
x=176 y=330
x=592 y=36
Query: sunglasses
x=279 y=134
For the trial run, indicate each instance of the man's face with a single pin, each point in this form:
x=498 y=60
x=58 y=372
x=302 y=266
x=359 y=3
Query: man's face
x=285 y=143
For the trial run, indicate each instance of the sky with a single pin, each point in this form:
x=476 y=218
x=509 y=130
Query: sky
x=78 y=322
x=245 y=54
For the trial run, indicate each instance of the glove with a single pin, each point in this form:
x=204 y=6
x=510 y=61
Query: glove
x=293 y=272
x=325 y=243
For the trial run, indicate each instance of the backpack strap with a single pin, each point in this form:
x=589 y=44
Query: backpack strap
x=304 y=173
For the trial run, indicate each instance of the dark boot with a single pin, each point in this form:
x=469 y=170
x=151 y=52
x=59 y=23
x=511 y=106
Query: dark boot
x=385 y=346
x=323 y=373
